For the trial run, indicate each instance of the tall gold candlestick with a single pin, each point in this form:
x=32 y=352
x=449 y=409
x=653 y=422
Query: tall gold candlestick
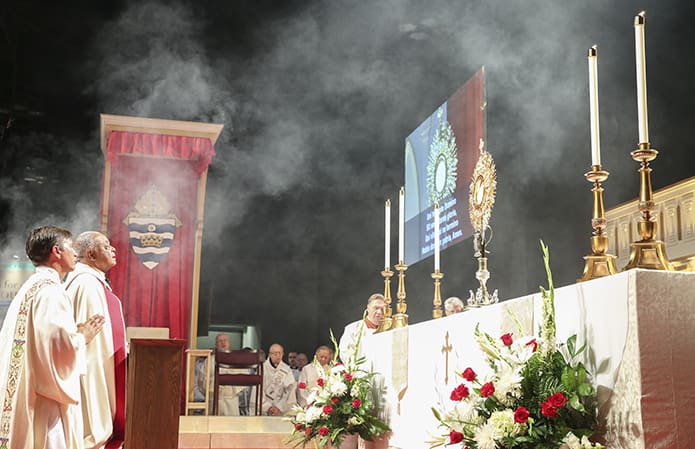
x=400 y=319
x=648 y=252
x=437 y=301
x=598 y=264
x=387 y=321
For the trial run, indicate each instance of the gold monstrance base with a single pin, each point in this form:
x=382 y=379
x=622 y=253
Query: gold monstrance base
x=598 y=264
x=647 y=253
x=387 y=321
x=400 y=319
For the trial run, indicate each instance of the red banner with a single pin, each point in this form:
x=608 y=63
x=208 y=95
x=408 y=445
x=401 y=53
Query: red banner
x=150 y=201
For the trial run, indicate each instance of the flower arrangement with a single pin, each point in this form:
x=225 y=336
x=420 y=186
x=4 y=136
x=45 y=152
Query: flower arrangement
x=342 y=403
x=536 y=396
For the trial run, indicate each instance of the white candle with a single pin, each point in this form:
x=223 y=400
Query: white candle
x=436 y=237
x=401 y=223
x=641 y=79
x=387 y=234
x=593 y=106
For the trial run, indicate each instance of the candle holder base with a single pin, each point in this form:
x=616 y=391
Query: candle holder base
x=597 y=266
x=386 y=322
x=649 y=254
x=399 y=320
x=437 y=301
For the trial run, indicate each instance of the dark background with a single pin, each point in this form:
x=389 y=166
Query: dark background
x=317 y=98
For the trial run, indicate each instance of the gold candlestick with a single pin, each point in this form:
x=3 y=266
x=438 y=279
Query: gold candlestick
x=387 y=321
x=599 y=263
x=400 y=319
x=648 y=252
x=437 y=301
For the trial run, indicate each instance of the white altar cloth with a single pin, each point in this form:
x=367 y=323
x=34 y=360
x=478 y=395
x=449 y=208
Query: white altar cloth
x=639 y=327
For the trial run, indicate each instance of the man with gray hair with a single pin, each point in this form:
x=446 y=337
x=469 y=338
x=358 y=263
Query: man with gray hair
x=366 y=326
x=453 y=305
x=103 y=387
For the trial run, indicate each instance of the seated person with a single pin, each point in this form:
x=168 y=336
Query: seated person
x=279 y=386
x=229 y=394
x=453 y=305
x=310 y=373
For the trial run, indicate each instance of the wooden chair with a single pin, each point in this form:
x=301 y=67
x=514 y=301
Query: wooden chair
x=250 y=363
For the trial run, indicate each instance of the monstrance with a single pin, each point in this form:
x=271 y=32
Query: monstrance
x=481 y=198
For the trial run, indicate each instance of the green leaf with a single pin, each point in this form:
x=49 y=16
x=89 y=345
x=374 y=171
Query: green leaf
x=570 y=345
x=576 y=404
x=585 y=389
x=568 y=379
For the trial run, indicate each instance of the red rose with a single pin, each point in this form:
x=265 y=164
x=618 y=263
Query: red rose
x=327 y=409
x=469 y=375
x=459 y=393
x=548 y=410
x=334 y=400
x=455 y=437
x=323 y=431
x=319 y=382
x=507 y=339
x=301 y=385
x=521 y=415
x=307 y=431
x=356 y=403
x=298 y=427
x=557 y=400
x=487 y=389
x=534 y=343
x=348 y=376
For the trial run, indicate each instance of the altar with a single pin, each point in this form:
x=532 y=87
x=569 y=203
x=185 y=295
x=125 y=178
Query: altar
x=639 y=327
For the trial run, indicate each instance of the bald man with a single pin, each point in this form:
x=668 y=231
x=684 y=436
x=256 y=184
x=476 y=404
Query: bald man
x=279 y=386
x=103 y=387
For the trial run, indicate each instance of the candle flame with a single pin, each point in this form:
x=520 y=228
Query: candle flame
x=640 y=18
x=388 y=202
x=593 y=51
x=402 y=191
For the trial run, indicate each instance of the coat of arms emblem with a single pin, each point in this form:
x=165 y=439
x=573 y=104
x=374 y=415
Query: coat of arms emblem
x=151 y=227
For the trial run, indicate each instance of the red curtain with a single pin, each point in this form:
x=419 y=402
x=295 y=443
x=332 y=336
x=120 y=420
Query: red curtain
x=158 y=297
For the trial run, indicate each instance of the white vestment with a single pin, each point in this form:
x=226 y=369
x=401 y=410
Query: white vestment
x=350 y=336
x=85 y=287
x=228 y=404
x=278 y=387
x=309 y=375
x=41 y=359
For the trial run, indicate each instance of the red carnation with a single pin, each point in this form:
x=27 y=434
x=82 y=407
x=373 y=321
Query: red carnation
x=521 y=415
x=459 y=393
x=487 y=389
x=348 y=376
x=507 y=339
x=307 y=431
x=455 y=437
x=327 y=409
x=557 y=400
x=356 y=403
x=323 y=431
x=534 y=343
x=547 y=409
x=319 y=382
x=301 y=385
x=469 y=374
x=298 y=427
x=334 y=400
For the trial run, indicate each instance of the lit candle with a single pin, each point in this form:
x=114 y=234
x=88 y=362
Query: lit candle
x=436 y=237
x=593 y=106
x=387 y=234
x=401 y=223
x=641 y=79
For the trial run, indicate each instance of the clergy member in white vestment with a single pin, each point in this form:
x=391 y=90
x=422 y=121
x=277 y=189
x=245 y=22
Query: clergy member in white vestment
x=374 y=314
x=42 y=352
x=311 y=373
x=228 y=404
x=103 y=387
x=279 y=386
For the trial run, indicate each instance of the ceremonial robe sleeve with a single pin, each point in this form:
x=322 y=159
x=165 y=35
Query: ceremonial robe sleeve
x=57 y=353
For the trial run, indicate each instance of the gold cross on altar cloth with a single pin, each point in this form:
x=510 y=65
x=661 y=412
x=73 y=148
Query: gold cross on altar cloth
x=446 y=349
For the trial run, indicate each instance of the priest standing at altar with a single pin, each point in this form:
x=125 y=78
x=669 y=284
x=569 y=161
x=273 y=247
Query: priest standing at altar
x=42 y=352
x=103 y=387
x=367 y=325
